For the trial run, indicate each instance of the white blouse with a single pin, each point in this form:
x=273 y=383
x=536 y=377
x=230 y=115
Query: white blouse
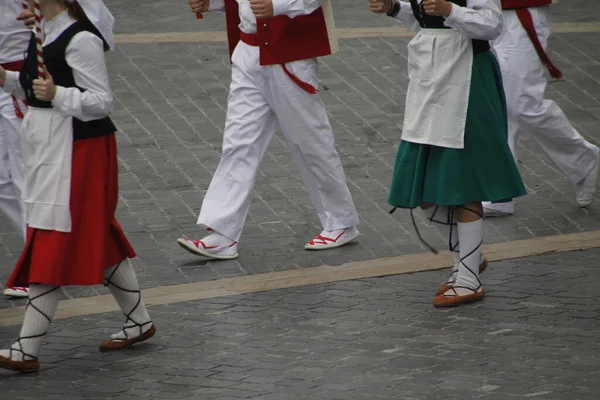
x=291 y=8
x=85 y=55
x=480 y=19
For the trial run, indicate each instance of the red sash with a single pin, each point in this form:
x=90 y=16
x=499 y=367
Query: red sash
x=514 y=4
x=520 y=7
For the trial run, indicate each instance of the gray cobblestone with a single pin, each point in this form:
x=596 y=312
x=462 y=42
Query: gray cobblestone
x=374 y=349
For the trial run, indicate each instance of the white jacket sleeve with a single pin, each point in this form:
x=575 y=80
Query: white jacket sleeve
x=480 y=19
x=85 y=55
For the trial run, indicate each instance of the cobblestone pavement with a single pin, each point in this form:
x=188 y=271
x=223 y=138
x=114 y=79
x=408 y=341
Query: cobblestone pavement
x=535 y=336
x=170 y=115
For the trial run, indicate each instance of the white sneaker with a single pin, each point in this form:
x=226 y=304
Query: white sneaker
x=16 y=292
x=215 y=246
x=498 y=209
x=586 y=189
x=332 y=239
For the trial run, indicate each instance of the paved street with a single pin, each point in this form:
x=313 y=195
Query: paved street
x=534 y=337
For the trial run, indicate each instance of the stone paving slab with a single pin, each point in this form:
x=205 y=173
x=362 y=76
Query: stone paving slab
x=533 y=337
x=171 y=101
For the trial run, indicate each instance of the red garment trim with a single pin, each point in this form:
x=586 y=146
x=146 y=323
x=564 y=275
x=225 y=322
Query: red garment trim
x=514 y=4
x=18 y=111
x=253 y=40
x=527 y=22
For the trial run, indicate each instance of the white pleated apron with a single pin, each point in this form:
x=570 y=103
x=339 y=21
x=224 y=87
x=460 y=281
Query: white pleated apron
x=439 y=68
x=47 y=144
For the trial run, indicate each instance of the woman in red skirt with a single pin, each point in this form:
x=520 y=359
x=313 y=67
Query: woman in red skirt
x=71 y=179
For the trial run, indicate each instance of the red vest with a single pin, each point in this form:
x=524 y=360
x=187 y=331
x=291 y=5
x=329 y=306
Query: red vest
x=514 y=4
x=283 y=39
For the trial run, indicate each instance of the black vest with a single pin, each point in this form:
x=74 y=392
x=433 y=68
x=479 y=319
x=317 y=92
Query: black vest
x=434 y=22
x=56 y=63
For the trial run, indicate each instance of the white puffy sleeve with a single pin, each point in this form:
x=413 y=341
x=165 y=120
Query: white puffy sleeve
x=480 y=19
x=406 y=17
x=85 y=55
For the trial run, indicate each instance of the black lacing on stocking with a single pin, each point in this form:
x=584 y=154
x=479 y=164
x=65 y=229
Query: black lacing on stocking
x=129 y=322
x=470 y=253
x=30 y=304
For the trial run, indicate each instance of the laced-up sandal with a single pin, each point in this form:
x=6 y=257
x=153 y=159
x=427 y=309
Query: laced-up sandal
x=452 y=297
x=446 y=286
x=126 y=342
x=28 y=364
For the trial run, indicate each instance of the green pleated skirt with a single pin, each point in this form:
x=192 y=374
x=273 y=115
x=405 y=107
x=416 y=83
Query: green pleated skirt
x=484 y=170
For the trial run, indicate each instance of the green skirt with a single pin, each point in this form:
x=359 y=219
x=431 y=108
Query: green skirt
x=484 y=170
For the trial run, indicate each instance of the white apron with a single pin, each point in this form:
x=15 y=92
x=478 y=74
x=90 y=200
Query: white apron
x=439 y=69
x=47 y=144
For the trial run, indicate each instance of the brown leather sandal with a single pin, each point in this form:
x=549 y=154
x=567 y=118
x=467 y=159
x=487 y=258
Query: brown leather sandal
x=121 y=344
x=32 y=365
x=445 y=286
x=452 y=298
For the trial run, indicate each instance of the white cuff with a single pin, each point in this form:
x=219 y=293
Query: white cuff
x=59 y=97
x=216 y=5
x=12 y=81
x=280 y=7
x=456 y=13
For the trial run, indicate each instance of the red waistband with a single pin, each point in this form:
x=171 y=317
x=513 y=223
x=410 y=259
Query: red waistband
x=513 y=4
x=252 y=40
x=13 y=66
x=249 y=39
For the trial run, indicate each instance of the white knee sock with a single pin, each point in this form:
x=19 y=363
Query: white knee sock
x=471 y=239
x=445 y=219
x=43 y=300
x=123 y=285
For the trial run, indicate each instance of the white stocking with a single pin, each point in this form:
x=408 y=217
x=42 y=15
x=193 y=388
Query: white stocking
x=43 y=300
x=445 y=218
x=471 y=240
x=123 y=285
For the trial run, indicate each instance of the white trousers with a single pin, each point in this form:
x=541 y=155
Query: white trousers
x=11 y=164
x=260 y=99
x=525 y=81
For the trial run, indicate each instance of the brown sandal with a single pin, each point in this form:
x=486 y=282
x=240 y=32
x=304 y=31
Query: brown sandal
x=452 y=298
x=121 y=344
x=32 y=365
x=445 y=286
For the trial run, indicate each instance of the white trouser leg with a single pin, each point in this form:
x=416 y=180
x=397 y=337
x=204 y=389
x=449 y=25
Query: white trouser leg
x=525 y=81
x=43 y=300
x=307 y=130
x=249 y=127
x=11 y=164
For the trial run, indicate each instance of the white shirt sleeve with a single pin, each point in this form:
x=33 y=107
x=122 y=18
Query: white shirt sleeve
x=480 y=19
x=295 y=8
x=407 y=18
x=13 y=86
x=85 y=55
x=216 y=5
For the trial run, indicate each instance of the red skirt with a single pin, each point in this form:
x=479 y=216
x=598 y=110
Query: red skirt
x=96 y=241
